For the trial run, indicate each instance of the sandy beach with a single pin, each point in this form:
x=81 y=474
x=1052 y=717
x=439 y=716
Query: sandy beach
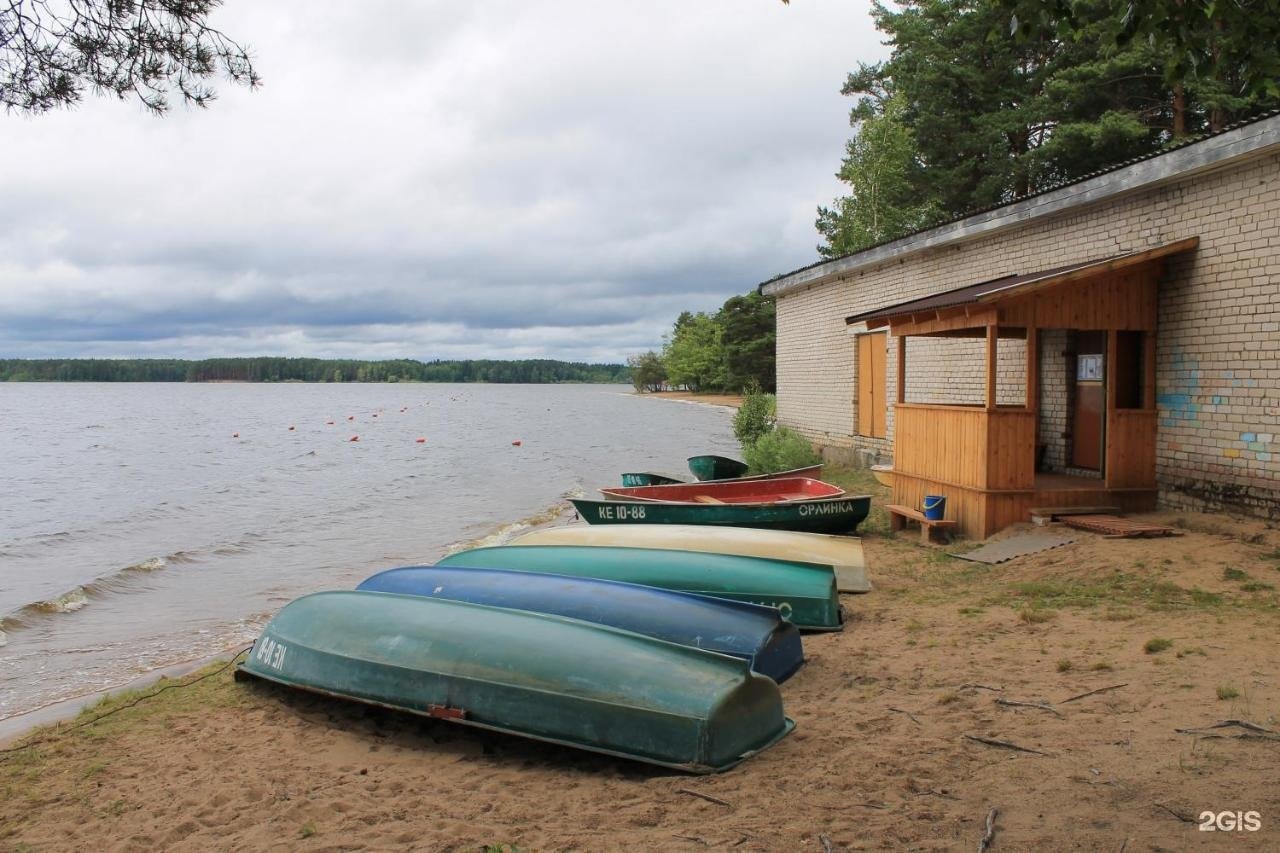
x=729 y=401
x=1100 y=651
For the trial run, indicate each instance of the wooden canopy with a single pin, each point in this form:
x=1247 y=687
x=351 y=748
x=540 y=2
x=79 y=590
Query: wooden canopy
x=977 y=305
x=983 y=457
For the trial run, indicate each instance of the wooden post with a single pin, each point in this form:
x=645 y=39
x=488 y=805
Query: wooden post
x=1033 y=369
x=902 y=369
x=1149 y=370
x=992 y=343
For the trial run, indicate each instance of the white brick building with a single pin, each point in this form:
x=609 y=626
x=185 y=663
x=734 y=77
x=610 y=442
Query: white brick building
x=1216 y=400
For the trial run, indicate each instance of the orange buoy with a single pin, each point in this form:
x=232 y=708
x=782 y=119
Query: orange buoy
x=419 y=440
x=354 y=438
x=517 y=443
x=235 y=435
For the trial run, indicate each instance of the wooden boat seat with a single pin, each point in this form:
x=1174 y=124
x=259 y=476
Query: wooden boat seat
x=707 y=499
x=900 y=515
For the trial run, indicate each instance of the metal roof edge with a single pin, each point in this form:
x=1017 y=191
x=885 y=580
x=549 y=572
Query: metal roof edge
x=1246 y=141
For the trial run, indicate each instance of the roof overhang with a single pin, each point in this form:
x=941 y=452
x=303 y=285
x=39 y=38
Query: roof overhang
x=976 y=304
x=1248 y=141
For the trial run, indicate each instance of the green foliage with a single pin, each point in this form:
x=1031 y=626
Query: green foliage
x=755 y=417
x=882 y=168
x=694 y=353
x=50 y=56
x=648 y=373
x=1156 y=645
x=983 y=101
x=748 y=325
x=276 y=369
x=731 y=350
x=779 y=450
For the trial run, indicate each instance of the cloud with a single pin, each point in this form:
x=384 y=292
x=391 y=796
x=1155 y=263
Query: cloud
x=425 y=180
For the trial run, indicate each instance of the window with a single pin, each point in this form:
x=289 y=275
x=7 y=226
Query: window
x=871 y=378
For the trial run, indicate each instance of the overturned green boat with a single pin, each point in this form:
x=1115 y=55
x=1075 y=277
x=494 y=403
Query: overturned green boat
x=805 y=594
x=544 y=677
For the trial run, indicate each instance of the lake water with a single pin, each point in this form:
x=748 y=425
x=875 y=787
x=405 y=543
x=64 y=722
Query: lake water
x=137 y=532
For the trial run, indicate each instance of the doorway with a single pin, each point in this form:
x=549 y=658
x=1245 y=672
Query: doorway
x=1089 y=416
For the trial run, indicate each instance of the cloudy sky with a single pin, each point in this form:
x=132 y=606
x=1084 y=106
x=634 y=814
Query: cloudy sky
x=435 y=180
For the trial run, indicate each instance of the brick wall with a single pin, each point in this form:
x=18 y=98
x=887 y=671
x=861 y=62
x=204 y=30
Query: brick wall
x=1218 y=351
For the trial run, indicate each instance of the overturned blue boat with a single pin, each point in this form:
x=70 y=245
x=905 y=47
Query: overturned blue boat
x=750 y=631
x=544 y=677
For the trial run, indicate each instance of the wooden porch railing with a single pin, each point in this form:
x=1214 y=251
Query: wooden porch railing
x=967 y=446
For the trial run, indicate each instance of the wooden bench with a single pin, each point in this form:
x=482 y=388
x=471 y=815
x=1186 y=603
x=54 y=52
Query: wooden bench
x=900 y=515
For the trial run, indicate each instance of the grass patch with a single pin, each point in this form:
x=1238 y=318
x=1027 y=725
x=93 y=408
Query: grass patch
x=1034 y=615
x=1102 y=666
x=307 y=830
x=1114 y=591
x=1231 y=573
x=1065 y=665
x=1227 y=691
x=948 y=697
x=1256 y=586
x=860 y=481
x=1114 y=614
x=1156 y=645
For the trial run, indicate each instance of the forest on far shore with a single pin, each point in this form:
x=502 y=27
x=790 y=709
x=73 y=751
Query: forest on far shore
x=275 y=369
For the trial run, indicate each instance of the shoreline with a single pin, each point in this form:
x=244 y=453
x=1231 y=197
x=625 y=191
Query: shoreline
x=888 y=752
x=719 y=401
x=22 y=725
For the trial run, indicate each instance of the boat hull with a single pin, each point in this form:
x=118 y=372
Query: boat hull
x=648 y=478
x=543 y=677
x=707 y=467
x=758 y=634
x=828 y=515
x=842 y=553
x=738 y=492
x=812 y=472
x=804 y=594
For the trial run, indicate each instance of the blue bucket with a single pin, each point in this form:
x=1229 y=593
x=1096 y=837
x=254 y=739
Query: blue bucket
x=935 y=507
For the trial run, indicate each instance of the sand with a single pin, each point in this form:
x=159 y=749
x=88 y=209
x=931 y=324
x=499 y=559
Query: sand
x=880 y=758
x=731 y=401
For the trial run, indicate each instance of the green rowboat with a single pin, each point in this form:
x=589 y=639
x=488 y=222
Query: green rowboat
x=707 y=467
x=805 y=594
x=648 y=478
x=544 y=677
x=840 y=514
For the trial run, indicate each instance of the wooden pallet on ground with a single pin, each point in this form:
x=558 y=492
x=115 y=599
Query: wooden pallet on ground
x=1114 y=527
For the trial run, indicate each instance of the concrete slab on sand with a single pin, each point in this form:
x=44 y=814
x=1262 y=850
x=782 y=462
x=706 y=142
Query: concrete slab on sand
x=1016 y=546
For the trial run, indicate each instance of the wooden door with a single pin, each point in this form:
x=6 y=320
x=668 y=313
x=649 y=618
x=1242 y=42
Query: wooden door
x=871 y=385
x=1089 y=417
